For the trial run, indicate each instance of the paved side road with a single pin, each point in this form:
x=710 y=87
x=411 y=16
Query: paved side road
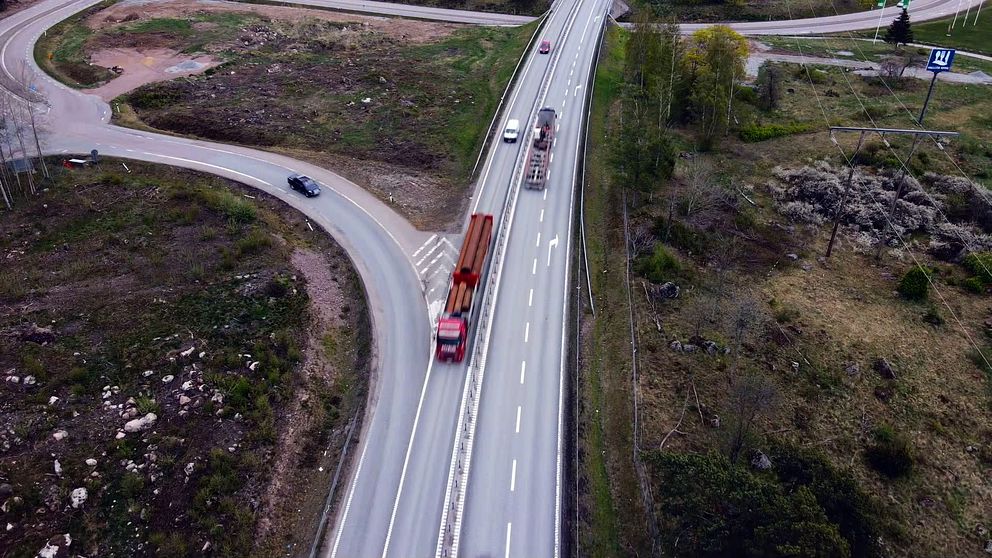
x=862 y=67
x=378 y=240
x=418 y=12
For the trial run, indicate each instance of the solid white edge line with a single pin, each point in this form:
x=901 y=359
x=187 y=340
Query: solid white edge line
x=406 y=460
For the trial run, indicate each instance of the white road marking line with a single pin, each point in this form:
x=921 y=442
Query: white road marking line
x=424 y=245
x=564 y=102
x=509 y=527
x=530 y=298
x=427 y=255
x=523 y=370
x=526 y=332
x=513 y=476
x=545 y=193
x=406 y=460
x=551 y=159
x=542 y=215
x=518 y=419
x=538 y=243
x=533 y=268
x=577 y=87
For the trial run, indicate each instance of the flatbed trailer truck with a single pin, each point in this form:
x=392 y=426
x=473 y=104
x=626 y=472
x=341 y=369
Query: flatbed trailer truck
x=463 y=290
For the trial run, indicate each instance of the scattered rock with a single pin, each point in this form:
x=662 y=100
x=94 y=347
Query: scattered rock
x=253 y=366
x=676 y=346
x=795 y=367
x=188 y=351
x=39 y=335
x=206 y=547
x=167 y=379
x=60 y=435
x=689 y=348
x=710 y=347
x=139 y=424
x=147 y=373
x=761 y=462
x=715 y=421
x=669 y=290
x=53 y=400
x=30 y=380
x=13 y=379
x=883 y=393
x=988 y=546
x=58 y=468
x=183 y=400
x=792 y=257
x=885 y=369
x=852 y=369
x=91 y=462
x=6 y=491
x=78 y=496
x=120 y=434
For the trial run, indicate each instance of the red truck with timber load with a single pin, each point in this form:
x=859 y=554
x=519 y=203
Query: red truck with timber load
x=452 y=327
x=539 y=157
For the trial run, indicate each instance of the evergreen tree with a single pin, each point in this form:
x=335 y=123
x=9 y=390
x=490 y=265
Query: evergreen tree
x=900 y=32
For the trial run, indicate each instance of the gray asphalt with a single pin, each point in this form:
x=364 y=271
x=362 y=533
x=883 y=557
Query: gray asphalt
x=407 y=438
x=378 y=240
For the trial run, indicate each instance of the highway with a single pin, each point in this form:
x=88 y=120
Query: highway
x=405 y=470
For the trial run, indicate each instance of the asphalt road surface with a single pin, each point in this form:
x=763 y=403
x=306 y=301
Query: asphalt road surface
x=395 y=493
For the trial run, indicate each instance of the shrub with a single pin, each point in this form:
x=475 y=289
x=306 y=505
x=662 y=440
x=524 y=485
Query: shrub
x=891 y=454
x=974 y=284
x=979 y=264
x=715 y=508
x=659 y=266
x=915 y=285
x=933 y=316
x=762 y=132
x=253 y=242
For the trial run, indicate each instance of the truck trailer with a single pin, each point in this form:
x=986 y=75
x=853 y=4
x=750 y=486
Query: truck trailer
x=452 y=327
x=539 y=157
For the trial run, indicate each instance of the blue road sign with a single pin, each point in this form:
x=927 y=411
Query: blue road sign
x=940 y=59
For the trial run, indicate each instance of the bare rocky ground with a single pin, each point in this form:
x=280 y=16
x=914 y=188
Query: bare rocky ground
x=180 y=360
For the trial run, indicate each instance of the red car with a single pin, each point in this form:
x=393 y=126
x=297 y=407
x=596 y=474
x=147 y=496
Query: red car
x=545 y=47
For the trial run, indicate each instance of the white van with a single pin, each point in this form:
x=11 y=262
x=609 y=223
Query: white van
x=512 y=130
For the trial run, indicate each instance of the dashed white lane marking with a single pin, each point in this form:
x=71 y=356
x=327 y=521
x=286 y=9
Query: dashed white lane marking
x=538 y=239
x=513 y=476
x=533 y=268
x=542 y=215
x=523 y=370
x=518 y=420
x=530 y=298
x=545 y=193
x=526 y=332
x=509 y=528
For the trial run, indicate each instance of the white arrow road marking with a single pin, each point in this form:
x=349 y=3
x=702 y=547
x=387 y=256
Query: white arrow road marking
x=551 y=244
x=577 y=87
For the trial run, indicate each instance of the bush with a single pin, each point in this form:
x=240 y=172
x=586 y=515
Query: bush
x=715 y=508
x=915 y=285
x=659 y=266
x=974 y=284
x=762 y=132
x=891 y=454
x=980 y=264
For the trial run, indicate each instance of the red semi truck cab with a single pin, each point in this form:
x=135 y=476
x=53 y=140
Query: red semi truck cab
x=452 y=327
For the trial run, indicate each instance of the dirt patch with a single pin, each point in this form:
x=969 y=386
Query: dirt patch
x=146 y=65
x=130 y=11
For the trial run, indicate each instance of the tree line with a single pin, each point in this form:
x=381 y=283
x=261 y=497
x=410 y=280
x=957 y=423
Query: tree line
x=671 y=80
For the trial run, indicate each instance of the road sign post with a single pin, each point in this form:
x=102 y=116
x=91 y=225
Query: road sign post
x=940 y=61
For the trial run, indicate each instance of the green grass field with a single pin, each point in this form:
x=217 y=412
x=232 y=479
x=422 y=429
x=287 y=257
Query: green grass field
x=966 y=34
